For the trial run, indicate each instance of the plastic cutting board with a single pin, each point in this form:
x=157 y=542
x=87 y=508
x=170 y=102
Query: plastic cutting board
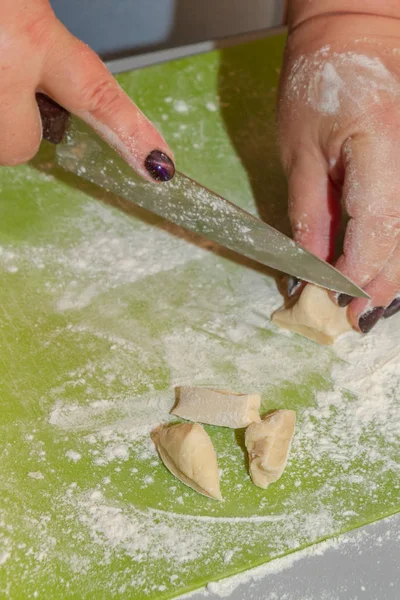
x=104 y=309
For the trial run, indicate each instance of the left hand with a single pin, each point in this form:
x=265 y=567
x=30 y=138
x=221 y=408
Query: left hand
x=339 y=127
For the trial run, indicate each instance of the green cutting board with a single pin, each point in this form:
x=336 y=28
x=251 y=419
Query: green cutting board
x=104 y=309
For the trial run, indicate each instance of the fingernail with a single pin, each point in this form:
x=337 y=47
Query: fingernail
x=293 y=285
x=160 y=166
x=343 y=300
x=369 y=319
x=392 y=309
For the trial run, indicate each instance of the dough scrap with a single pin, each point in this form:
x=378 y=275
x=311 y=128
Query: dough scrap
x=187 y=452
x=315 y=316
x=268 y=444
x=217 y=407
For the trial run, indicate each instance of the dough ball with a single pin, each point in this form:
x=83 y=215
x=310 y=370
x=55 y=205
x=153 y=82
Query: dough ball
x=268 y=444
x=315 y=316
x=217 y=407
x=187 y=452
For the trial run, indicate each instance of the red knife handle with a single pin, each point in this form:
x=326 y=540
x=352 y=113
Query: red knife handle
x=54 y=117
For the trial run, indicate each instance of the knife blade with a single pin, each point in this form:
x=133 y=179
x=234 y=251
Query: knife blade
x=184 y=202
x=192 y=206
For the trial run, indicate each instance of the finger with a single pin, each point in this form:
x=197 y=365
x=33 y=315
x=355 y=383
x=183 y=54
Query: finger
x=20 y=128
x=314 y=207
x=76 y=78
x=384 y=290
x=370 y=196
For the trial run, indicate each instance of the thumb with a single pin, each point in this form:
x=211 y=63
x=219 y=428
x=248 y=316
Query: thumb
x=76 y=78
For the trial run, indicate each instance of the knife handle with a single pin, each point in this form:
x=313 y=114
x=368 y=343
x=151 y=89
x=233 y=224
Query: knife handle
x=54 y=117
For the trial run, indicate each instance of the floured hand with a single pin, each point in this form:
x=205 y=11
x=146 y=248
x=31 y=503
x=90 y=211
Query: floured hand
x=339 y=128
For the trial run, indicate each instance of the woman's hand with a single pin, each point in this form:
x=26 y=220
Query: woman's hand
x=37 y=54
x=339 y=127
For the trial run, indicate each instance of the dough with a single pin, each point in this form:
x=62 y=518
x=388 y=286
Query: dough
x=187 y=451
x=217 y=407
x=315 y=316
x=268 y=445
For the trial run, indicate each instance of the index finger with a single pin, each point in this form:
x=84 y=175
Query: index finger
x=76 y=78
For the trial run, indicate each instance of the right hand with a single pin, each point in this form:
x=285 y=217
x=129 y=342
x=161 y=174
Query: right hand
x=38 y=54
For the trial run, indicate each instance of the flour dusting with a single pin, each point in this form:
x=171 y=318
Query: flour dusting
x=136 y=533
x=109 y=402
x=35 y=475
x=181 y=106
x=351 y=424
x=329 y=81
x=73 y=455
x=110 y=312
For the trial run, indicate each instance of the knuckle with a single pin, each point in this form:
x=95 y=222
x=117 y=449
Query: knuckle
x=383 y=226
x=37 y=29
x=392 y=276
x=390 y=280
x=102 y=96
x=385 y=116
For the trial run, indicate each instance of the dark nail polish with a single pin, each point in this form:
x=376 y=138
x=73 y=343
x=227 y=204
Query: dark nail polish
x=293 y=285
x=369 y=319
x=55 y=119
x=160 y=166
x=392 y=309
x=343 y=300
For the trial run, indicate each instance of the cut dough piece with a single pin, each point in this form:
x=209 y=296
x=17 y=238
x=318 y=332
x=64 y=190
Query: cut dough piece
x=217 y=407
x=187 y=451
x=315 y=316
x=268 y=445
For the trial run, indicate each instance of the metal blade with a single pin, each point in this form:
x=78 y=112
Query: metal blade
x=192 y=206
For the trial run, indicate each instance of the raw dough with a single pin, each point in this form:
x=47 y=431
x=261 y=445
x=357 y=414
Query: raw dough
x=217 y=407
x=268 y=445
x=315 y=316
x=187 y=451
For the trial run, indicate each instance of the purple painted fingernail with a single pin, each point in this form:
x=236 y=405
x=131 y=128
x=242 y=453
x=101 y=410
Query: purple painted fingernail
x=369 y=319
x=293 y=285
x=392 y=309
x=343 y=300
x=160 y=166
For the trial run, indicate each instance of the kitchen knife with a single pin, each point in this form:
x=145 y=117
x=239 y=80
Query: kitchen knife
x=184 y=202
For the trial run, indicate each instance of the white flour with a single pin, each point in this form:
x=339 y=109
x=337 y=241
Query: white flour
x=121 y=313
x=337 y=427
x=363 y=398
x=181 y=106
x=211 y=106
x=73 y=455
x=112 y=252
x=328 y=81
x=36 y=475
x=137 y=533
x=106 y=406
